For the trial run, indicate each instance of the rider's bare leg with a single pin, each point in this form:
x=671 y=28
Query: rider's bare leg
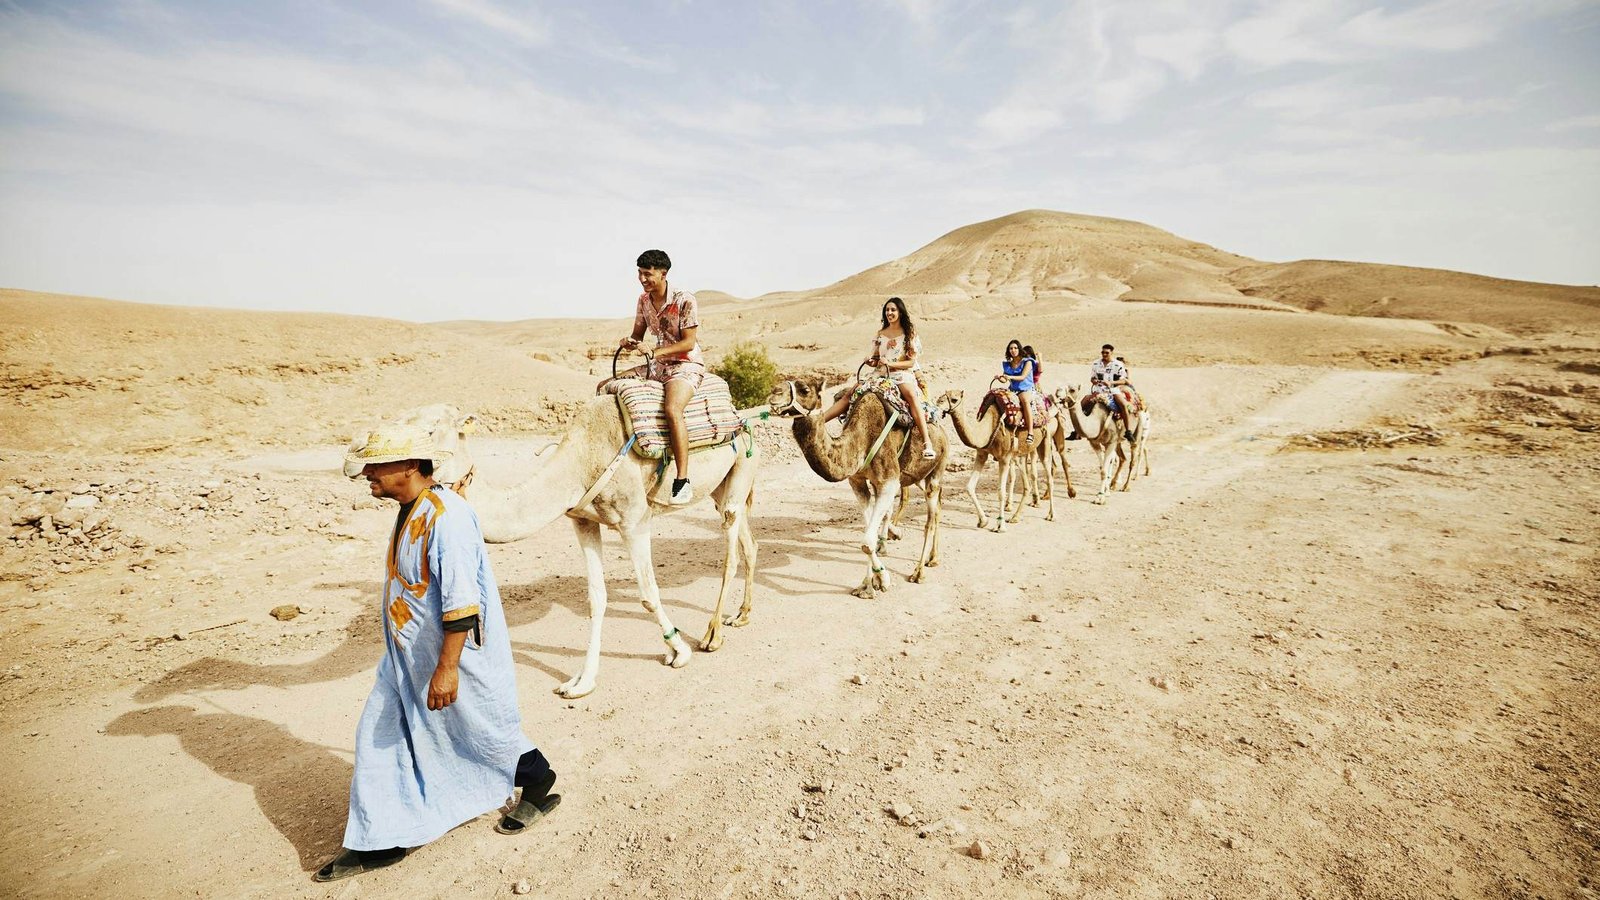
x=841 y=404
x=676 y=396
x=914 y=401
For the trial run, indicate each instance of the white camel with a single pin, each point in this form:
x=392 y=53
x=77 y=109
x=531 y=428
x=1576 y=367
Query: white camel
x=593 y=479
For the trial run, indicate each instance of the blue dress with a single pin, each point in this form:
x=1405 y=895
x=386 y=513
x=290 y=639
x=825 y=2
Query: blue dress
x=1021 y=375
x=420 y=772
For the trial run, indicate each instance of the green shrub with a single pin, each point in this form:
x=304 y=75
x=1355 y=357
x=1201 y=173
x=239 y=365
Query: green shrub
x=749 y=373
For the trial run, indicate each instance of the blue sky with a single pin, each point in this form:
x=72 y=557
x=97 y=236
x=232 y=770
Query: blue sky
x=441 y=159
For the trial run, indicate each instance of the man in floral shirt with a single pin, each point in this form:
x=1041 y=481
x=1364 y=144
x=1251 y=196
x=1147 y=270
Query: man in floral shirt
x=674 y=318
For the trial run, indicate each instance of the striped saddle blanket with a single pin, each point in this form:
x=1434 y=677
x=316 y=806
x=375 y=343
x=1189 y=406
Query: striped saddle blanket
x=709 y=418
x=1006 y=399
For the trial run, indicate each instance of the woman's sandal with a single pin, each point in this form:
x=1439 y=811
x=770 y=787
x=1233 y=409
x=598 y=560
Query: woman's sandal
x=354 y=862
x=528 y=812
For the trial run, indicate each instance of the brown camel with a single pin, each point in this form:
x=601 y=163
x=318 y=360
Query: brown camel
x=1104 y=433
x=877 y=478
x=991 y=438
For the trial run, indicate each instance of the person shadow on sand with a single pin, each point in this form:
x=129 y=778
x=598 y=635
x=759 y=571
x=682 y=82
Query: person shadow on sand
x=299 y=786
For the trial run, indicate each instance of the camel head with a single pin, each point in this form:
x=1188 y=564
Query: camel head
x=794 y=399
x=1070 y=393
x=949 y=401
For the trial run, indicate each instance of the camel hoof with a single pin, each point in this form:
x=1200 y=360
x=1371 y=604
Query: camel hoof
x=575 y=688
x=915 y=577
x=712 y=642
x=894 y=535
x=1050 y=516
x=932 y=564
x=864 y=592
x=739 y=621
x=678 y=653
x=1072 y=495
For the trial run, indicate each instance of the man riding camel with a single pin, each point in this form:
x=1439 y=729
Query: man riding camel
x=674 y=318
x=1107 y=375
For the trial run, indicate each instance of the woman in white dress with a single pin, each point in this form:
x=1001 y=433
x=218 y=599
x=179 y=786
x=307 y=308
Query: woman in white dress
x=895 y=349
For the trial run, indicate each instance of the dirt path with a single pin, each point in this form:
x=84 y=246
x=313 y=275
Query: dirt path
x=1260 y=673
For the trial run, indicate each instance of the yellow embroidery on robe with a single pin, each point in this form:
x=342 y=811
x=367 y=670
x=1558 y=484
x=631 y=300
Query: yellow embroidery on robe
x=451 y=615
x=399 y=616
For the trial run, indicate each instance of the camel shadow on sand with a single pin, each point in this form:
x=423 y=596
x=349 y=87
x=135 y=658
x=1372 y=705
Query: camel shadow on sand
x=299 y=786
x=524 y=604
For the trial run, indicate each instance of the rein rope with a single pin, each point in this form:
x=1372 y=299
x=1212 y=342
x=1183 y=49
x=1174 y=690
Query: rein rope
x=605 y=476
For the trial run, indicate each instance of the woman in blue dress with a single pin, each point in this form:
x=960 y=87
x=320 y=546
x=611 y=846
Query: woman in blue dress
x=1018 y=371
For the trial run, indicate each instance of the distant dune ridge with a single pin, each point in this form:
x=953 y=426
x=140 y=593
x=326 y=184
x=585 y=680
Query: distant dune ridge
x=1036 y=252
x=109 y=375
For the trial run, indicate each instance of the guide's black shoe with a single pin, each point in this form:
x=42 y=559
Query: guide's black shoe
x=527 y=813
x=354 y=862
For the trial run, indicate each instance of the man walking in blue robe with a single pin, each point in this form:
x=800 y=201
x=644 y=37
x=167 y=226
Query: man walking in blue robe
x=440 y=741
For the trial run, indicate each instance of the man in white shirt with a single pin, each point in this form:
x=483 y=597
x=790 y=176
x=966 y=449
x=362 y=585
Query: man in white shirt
x=1106 y=375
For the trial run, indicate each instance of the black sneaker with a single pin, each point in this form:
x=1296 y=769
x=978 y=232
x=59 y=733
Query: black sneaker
x=681 y=492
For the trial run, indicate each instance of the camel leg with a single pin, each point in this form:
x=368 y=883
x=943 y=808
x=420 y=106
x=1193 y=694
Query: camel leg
x=1066 y=471
x=879 y=503
x=1104 y=451
x=732 y=528
x=972 y=485
x=1021 y=471
x=1045 y=461
x=747 y=540
x=637 y=539
x=582 y=684
x=930 y=530
x=893 y=531
x=1005 y=492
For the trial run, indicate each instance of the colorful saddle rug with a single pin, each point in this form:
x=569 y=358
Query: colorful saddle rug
x=1120 y=401
x=1011 y=409
x=710 y=418
x=885 y=389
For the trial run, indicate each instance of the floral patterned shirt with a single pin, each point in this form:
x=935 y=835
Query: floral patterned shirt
x=680 y=313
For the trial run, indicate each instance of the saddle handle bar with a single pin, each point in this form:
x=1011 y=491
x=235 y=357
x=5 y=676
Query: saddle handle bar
x=649 y=360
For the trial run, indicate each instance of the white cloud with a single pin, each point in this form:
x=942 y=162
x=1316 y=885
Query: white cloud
x=1575 y=123
x=523 y=27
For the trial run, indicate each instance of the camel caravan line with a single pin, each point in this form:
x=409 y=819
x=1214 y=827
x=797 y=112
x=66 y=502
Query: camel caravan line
x=609 y=469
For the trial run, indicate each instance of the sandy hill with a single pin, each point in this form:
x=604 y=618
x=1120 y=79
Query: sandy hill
x=1369 y=289
x=1036 y=252
x=81 y=374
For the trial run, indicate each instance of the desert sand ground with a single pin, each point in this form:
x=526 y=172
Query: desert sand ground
x=1341 y=643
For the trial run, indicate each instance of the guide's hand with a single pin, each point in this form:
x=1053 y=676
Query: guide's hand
x=442 y=687
x=628 y=343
